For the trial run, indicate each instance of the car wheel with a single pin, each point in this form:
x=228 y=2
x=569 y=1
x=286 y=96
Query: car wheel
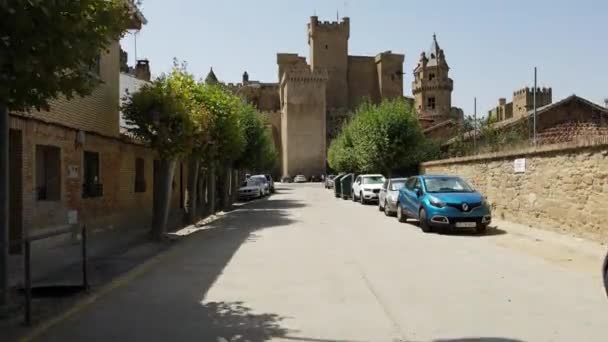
x=380 y=207
x=386 y=209
x=400 y=214
x=606 y=274
x=481 y=228
x=424 y=222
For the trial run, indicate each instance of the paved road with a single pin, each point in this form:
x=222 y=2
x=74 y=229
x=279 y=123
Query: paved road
x=304 y=266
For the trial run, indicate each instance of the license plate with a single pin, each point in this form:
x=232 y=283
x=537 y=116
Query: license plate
x=466 y=224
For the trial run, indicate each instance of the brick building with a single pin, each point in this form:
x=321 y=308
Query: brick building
x=72 y=165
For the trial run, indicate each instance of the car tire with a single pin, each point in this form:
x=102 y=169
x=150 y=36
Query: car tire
x=424 y=221
x=400 y=214
x=380 y=207
x=481 y=228
x=605 y=275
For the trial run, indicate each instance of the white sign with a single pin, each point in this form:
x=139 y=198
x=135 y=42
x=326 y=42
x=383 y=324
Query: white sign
x=519 y=165
x=72 y=217
x=72 y=171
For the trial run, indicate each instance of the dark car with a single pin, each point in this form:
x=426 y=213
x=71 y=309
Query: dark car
x=270 y=182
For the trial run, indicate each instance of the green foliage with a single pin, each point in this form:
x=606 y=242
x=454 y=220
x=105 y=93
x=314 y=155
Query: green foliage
x=259 y=154
x=223 y=140
x=381 y=138
x=48 y=47
x=165 y=115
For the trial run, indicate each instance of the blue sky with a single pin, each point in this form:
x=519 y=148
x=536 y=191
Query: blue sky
x=491 y=46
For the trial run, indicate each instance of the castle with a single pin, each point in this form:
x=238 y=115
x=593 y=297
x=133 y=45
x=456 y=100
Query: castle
x=311 y=101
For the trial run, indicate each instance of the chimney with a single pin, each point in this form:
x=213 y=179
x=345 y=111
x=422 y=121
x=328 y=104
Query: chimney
x=142 y=70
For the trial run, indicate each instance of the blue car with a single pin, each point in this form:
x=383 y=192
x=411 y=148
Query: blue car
x=443 y=203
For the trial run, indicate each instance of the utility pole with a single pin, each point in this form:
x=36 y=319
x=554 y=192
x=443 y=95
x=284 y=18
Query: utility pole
x=475 y=125
x=534 y=104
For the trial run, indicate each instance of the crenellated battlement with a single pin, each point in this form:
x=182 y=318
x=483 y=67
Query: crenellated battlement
x=305 y=75
x=528 y=91
x=315 y=26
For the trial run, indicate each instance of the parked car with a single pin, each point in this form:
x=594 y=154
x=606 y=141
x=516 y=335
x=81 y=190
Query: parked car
x=387 y=199
x=270 y=182
x=329 y=181
x=250 y=189
x=300 y=179
x=265 y=183
x=366 y=188
x=443 y=203
x=605 y=274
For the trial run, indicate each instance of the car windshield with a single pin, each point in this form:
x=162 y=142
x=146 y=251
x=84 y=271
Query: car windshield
x=446 y=184
x=261 y=179
x=373 y=180
x=397 y=185
x=252 y=182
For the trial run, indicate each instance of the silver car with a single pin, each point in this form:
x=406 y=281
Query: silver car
x=387 y=199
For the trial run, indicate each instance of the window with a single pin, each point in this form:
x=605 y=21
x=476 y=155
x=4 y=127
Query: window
x=140 y=176
x=447 y=184
x=48 y=173
x=373 y=180
x=410 y=183
x=397 y=185
x=430 y=103
x=431 y=76
x=91 y=186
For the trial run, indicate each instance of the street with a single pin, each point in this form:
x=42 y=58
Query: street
x=305 y=266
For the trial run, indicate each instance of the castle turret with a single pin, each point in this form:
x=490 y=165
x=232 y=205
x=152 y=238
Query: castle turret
x=328 y=43
x=245 y=78
x=211 y=78
x=523 y=100
x=432 y=87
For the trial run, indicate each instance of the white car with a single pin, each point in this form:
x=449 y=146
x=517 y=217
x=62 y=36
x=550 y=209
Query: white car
x=265 y=183
x=300 y=179
x=251 y=188
x=366 y=188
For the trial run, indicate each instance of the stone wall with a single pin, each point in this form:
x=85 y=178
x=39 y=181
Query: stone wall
x=362 y=80
x=563 y=187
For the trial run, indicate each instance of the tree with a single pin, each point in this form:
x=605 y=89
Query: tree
x=259 y=154
x=163 y=114
x=47 y=49
x=383 y=138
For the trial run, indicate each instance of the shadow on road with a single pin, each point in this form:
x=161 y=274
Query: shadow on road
x=492 y=231
x=478 y=339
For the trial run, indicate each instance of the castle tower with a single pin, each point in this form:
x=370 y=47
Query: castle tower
x=523 y=100
x=432 y=86
x=303 y=121
x=328 y=43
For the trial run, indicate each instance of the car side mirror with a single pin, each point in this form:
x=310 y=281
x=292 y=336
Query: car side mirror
x=418 y=192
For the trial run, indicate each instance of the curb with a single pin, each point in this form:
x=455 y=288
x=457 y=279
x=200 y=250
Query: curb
x=91 y=298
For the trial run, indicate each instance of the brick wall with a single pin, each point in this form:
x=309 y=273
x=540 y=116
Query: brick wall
x=564 y=186
x=120 y=207
x=97 y=112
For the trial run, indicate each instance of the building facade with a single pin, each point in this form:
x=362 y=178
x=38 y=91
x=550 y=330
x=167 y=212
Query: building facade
x=523 y=102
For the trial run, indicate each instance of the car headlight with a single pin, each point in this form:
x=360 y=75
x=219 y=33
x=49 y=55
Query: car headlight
x=436 y=202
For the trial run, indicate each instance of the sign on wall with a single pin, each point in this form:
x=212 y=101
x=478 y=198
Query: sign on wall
x=72 y=171
x=519 y=165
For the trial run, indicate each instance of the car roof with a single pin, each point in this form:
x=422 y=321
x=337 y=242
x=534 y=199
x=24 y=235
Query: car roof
x=372 y=175
x=438 y=176
x=398 y=179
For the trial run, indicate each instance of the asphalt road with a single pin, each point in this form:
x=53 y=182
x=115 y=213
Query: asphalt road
x=305 y=266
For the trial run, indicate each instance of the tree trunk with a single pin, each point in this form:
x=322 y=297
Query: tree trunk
x=162 y=198
x=211 y=191
x=4 y=240
x=192 y=198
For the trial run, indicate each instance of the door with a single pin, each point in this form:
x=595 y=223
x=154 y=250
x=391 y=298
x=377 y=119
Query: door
x=412 y=201
x=15 y=203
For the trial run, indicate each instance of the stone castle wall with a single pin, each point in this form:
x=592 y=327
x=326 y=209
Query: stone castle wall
x=564 y=186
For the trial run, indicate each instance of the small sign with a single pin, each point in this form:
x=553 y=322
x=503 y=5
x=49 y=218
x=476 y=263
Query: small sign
x=519 y=165
x=72 y=171
x=72 y=217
